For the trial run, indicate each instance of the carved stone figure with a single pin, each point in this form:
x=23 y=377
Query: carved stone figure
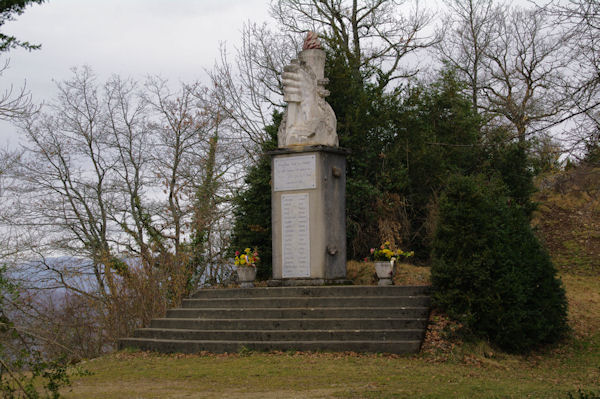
x=308 y=120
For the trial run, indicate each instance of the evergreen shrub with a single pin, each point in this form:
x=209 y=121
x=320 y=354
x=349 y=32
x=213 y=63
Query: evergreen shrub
x=490 y=272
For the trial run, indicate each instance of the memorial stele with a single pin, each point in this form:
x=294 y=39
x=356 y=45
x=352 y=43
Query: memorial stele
x=308 y=179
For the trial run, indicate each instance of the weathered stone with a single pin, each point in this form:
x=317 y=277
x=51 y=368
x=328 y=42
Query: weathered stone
x=309 y=119
x=341 y=318
x=309 y=215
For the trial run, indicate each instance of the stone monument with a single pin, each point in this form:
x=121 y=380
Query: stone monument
x=309 y=119
x=308 y=190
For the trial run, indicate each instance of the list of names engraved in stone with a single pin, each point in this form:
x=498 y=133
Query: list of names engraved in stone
x=295 y=249
x=295 y=173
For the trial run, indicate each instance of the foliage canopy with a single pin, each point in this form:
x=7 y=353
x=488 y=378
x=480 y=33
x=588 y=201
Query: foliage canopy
x=8 y=10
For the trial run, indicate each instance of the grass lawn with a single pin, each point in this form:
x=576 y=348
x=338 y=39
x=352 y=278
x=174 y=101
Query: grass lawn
x=455 y=371
x=146 y=375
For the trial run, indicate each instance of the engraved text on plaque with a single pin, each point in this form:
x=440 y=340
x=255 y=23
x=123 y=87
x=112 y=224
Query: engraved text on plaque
x=295 y=235
x=295 y=173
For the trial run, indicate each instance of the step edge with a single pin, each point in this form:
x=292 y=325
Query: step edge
x=306 y=297
x=296 y=318
x=152 y=329
x=303 y=308
x=181 y=341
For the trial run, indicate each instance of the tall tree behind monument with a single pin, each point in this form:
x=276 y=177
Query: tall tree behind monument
x=363 y=70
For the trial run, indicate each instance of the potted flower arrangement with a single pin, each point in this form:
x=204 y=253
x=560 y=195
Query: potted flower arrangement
x=246 y=267
x=384 y=258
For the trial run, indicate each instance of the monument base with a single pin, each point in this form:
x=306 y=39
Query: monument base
x=303 y=282
x=309 y=215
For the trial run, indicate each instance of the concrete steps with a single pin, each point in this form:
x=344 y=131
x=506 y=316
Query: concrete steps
x=171 y=346
x=312 y=291
x=290 y=324
x=304 y=302
x=278 y=335
x=339 y=318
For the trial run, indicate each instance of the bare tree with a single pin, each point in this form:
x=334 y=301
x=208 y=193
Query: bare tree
x=248 y=89
x=65 y=176
x=374 y=36
x=116 y=182
x=528 y=68
x=469 y=31
x=514 y=61
x=14 y=103
x=196 y=161
x=582 y=19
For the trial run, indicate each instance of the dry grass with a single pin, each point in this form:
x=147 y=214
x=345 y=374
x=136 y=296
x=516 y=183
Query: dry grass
x=568 y=219
x=363 y=273
x=583 y=294
x=407 y=274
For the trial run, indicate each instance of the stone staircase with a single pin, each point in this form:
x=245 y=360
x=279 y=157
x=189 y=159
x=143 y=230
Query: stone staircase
x=389 y=319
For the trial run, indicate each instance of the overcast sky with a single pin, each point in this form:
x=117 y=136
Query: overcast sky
x=176 y=39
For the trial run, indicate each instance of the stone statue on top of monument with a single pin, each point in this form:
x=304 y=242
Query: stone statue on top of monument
x=309 y=119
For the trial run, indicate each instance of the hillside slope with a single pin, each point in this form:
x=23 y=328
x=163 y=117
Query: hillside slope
x=568 y=219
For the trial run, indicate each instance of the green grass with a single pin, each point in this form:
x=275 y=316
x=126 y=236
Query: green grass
x=321 y=375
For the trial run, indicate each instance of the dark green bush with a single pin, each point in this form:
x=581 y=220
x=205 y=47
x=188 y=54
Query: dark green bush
x=490 y=272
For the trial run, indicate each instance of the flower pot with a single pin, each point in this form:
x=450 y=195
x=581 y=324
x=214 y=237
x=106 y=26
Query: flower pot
x=384 y=272
x=246 y=276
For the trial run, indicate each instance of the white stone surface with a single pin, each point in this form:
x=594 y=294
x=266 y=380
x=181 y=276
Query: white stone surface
x=295 y=234
x=309 y=119
x=295 y=173
x=326 y=219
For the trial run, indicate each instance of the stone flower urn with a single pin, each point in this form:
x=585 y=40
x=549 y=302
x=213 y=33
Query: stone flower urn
x=384 y=272
x=246 y=276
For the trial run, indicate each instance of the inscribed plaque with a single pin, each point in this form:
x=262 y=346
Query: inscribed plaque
x=295 y=235
x=295 y=173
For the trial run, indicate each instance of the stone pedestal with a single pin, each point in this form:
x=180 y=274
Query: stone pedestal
x=308 y=201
